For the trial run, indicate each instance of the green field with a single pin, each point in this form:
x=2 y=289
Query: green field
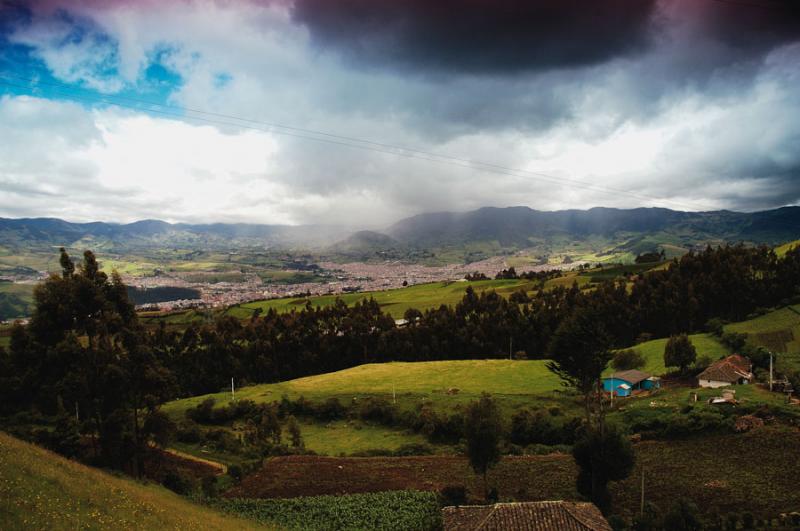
x=41 y=490
x=395 y=301
x=514 y=384
x=412 y=383
x=408 y=510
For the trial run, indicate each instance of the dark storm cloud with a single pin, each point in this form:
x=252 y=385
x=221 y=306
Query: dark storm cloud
x=751 y=25
x=478 y=36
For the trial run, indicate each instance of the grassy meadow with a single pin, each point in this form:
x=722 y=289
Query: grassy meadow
x=511 y=382
x=41 y=490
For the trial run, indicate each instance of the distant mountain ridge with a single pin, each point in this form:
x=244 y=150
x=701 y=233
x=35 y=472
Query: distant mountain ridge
x=146 y=233
x=517 y=226
x=509 y=227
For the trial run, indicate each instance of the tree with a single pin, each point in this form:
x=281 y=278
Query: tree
x=683 y=517
x=580 y=351
x=294 y=433
x=602 y=457
x=679 y=352
x=627 y=359
x=483 y=429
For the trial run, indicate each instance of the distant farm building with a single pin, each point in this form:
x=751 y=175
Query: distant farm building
x=526 y=516
x=626 y=383
x=733 y=370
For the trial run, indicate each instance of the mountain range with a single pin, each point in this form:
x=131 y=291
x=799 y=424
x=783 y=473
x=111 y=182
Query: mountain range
x=519 y=227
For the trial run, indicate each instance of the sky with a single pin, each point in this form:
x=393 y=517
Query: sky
x=362 y=112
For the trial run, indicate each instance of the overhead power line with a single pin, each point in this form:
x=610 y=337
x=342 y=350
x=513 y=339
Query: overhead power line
x=186 y=113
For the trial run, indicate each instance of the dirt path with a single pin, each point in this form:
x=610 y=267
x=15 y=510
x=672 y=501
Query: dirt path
x=219 y=468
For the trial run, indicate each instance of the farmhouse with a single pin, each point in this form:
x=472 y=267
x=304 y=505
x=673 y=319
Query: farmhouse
x=734 y=369
x=526 y=516
x=625 y=383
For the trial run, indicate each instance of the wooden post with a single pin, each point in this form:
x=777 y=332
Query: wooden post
x=770 y=371
x=233 y=393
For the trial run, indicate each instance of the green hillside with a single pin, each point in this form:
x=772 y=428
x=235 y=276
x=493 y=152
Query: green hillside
x=786 y=247
x=512 y=382
x=41 y=490
x=16 y=300
x=778 y=331
x=653 y=351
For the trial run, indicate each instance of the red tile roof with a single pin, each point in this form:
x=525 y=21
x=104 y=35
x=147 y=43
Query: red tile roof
x=729 y=369
x=526 y=516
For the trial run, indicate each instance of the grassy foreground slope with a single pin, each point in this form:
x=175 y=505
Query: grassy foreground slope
x=41 y=490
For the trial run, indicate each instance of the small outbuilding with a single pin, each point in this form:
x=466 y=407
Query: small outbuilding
x=526 y=516
x=625 y=383
x=733 y=370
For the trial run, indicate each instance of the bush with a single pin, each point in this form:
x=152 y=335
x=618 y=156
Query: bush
x=330 y=410
x=189 y=432
x=703 y=362
x=617 y=523
x=209 y=486
x=684 y=516
x=203 y=412
x=539 y=427
x=177 y=482
x=223 y=441
x=628 y=359
x=413 y=449
x=378 y=410
x=733 y=341
x=453 y=495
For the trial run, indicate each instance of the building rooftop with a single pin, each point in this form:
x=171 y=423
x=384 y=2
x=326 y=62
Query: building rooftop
x=526 y=516
x=632 y=376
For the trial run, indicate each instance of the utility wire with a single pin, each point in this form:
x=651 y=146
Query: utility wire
x=325 y=137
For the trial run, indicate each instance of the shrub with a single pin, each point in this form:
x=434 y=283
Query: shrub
x=203 y=412
x=628 y=359
x=209 y=486
x=715 y=326
x=733 y=341
x=177 y=482
x=413 y=449
x=189 y=432
x=617 y=522
x=453 y=495
x=330 y=410
x=378 y=410
x=684 y=516
x=703 y=362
